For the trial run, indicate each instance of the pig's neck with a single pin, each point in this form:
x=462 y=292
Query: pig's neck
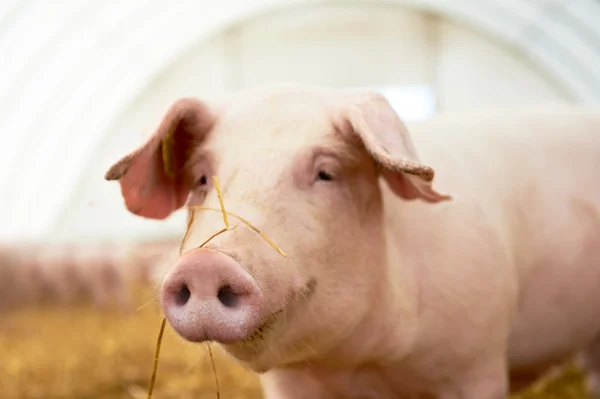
x=378 y=345
x=368 y=364
x=388 y=332
x=323 y=382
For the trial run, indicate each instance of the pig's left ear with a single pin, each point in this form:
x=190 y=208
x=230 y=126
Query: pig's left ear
x=386 y=138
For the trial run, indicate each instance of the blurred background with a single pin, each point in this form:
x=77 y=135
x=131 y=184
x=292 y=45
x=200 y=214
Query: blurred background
x=84 y=82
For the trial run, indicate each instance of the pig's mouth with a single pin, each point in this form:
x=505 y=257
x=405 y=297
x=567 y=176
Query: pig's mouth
x=269 y=321
x=259 y=333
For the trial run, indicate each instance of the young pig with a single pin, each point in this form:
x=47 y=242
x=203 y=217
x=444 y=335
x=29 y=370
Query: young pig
x=394 y=284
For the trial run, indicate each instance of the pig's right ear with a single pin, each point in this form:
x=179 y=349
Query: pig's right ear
x=152 y=178
x=370 y=117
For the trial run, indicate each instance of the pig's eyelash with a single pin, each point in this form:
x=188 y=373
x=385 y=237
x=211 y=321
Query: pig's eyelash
x=325 y=171
x=154 y=300
x=324 y=176
x=201 y=183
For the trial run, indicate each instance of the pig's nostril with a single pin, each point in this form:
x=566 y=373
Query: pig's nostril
x=227 y=296
x=183 y=295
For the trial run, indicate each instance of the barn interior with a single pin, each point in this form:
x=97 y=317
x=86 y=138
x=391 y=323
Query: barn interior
x=85 y=82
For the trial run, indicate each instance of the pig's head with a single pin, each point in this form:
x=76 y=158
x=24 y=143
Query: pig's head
x=303 y=165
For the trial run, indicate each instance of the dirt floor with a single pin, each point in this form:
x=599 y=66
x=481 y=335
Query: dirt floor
x=83 y=353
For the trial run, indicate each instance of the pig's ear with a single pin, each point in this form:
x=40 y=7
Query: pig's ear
x=153 y=180
x=386 y=138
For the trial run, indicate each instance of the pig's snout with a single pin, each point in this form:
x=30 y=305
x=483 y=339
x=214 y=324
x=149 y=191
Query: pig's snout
x=207 y=295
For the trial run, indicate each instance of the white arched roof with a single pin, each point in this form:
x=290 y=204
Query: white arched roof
x=71 y=67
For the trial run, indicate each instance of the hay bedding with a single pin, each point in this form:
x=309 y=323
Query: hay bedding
x=82 y=353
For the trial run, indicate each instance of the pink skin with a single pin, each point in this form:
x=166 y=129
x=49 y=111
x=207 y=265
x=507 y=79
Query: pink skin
x=189 y=297
x=33 y=274
x=391 y=288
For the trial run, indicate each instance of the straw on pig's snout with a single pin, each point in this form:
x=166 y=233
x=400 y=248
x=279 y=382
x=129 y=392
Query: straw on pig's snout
x=225 y=220
x=246 y=222
x=185 y=237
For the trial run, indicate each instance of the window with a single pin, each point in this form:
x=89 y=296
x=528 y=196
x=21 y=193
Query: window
x=411 y=102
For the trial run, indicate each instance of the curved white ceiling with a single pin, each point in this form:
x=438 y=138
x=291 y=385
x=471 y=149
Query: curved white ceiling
x=69 y=69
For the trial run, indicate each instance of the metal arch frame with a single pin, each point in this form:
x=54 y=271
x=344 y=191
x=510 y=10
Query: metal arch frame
x=79 y=111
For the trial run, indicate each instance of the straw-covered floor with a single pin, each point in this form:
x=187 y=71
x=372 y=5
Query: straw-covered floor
x=78 y=352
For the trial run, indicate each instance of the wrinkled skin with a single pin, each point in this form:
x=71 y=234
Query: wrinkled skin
x=395 y=283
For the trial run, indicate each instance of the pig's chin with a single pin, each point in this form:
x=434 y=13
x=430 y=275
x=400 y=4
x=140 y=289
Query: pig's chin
x=257 y=350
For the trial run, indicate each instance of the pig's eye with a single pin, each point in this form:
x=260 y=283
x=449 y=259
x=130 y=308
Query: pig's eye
x=202 y=181
x=324 y=176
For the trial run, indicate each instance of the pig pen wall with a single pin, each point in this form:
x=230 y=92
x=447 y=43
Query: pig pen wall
x=454 y=67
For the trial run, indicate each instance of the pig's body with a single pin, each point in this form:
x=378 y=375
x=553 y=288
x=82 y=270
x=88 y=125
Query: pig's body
x=534 y=175
x=389 y=290
x=517 y=251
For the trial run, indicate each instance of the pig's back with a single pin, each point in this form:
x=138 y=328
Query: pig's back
x=511 y=146
x=534 y=172
x=516 y=164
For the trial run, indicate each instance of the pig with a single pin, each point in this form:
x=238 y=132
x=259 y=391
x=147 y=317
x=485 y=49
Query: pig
x=438 y=259
x=42 y=273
